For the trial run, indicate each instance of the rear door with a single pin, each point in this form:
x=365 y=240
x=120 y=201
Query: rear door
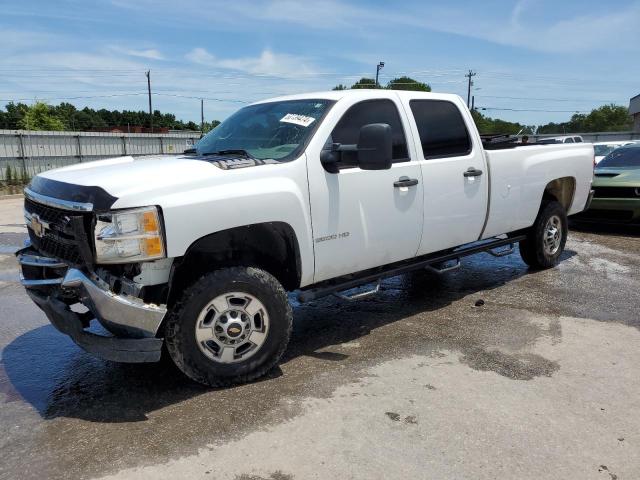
x=456 y=181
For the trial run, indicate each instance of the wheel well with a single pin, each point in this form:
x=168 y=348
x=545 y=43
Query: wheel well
x=561 y=190
x=271 y=246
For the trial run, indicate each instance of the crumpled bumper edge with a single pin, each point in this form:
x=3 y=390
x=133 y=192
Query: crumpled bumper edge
x=126 y=350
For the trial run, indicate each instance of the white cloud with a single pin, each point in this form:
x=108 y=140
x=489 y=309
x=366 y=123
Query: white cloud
x=531 y=24
x=12 y=40
x=583 y=32
x=201 y=56
x=150 y=53
x=268 y=63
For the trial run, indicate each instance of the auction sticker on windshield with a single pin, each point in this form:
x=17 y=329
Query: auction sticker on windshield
x=297 y=119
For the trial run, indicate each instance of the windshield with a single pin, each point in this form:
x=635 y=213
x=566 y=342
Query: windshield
x=273 y=130
x=628 y=157
x=602 y=150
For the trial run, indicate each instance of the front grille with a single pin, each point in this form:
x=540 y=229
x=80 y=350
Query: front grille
x=616 y=192
x=66 y=237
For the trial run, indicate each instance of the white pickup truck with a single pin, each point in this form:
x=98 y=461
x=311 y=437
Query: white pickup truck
x=317 y=193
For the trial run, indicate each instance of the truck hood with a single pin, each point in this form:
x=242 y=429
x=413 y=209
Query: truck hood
x=616 y=177
x=103 y=182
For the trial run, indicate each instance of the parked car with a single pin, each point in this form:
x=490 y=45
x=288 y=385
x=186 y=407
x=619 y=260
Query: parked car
x=563 y=139
x=602 y=149
x=318 y=193
x=616 y=188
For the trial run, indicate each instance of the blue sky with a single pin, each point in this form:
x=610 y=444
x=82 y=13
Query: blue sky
x=536 y=60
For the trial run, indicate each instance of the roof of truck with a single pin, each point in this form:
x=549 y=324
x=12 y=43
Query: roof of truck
x=364 y=93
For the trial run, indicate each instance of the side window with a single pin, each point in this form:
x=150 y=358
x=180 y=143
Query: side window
x=441 y=127
x=347 y=130
x=578 y=139
x=568 y=140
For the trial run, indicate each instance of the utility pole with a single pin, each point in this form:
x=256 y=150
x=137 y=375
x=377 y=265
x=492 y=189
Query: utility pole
x=473 y=102
x=469 y=75
x=148 y=74
x=202 y=116
x=379 y=67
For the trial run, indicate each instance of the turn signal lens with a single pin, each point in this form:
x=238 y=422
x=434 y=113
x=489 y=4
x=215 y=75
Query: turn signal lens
x=153 y=246
x=150 y=222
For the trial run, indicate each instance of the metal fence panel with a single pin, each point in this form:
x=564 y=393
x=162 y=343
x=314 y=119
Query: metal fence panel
x=35 y=152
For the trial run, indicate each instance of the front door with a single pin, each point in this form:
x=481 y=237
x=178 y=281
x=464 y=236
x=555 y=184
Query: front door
x=363 y=219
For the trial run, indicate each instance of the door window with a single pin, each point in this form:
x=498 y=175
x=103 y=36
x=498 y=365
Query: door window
x=348 y=128
x=441 y=127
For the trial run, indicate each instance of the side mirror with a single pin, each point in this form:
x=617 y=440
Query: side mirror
x=329 y=160
x=375 y=148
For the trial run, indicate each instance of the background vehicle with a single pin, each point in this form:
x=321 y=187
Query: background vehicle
x=319 y=193
x=616 y=188
x=563 y=139
x=602 y=149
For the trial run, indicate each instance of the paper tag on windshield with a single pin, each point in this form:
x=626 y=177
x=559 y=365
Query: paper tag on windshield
x=297 y=119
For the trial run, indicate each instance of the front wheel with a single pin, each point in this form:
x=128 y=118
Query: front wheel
x=231 y=326
x=546 y=238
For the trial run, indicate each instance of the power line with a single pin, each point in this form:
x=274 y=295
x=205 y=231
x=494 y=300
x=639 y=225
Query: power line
x=230 y=100
x=548 y=99
x=533 y=110
x=28 y=99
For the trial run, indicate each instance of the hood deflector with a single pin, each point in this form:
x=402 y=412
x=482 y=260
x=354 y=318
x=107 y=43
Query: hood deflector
x=100 y=199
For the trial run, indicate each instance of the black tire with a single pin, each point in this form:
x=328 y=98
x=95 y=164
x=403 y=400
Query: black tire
x=180 y=336
x=532 y=249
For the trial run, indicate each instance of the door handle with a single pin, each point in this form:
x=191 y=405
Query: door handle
x=405 y=182
x=472 y=172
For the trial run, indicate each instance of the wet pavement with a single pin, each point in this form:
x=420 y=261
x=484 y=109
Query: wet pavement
x=539 y=380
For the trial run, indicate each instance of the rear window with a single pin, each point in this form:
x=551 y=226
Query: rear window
x=622 y=157
x=441 y=127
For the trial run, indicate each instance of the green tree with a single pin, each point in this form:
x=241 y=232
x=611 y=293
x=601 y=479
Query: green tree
x=408 y=83
x=364 y=83
x=40 y=116
x=487 y=125
x=208 y=126
x=65 y=112
x=14 y=114
x=608 y=118
x=340 y=87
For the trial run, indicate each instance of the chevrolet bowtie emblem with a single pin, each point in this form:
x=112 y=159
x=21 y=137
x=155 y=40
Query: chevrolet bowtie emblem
x=37 y=226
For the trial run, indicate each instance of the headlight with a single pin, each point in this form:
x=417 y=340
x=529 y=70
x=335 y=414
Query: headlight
x=129 y=236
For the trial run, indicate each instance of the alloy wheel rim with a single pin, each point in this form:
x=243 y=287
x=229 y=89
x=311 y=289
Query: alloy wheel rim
x=232 y=327
x=552 y=237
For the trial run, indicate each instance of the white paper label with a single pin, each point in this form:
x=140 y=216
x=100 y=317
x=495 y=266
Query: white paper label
x=298 y=119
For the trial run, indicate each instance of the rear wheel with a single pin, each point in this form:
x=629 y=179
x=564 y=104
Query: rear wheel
x=231 y=326
x=546 y=238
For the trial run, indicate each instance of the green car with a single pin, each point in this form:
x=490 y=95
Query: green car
x=616 y=186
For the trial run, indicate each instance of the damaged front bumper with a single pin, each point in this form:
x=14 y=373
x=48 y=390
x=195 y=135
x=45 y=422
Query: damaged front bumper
x=55 y=287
